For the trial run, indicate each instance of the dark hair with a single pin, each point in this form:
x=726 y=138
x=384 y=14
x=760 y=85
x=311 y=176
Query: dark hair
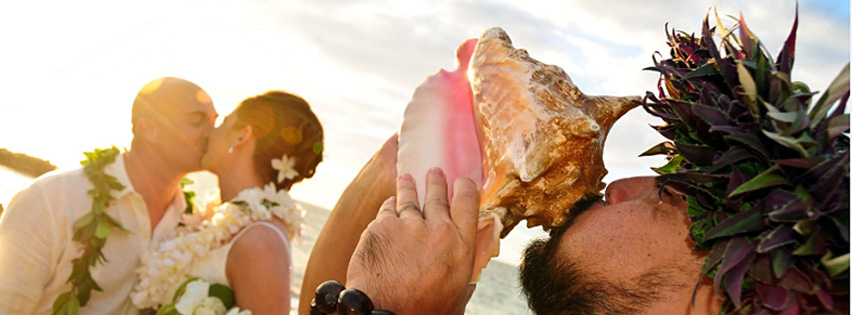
x=283 y=123
x=558 y=284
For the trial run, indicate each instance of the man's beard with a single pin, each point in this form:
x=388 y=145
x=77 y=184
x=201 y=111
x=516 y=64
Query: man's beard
x=549 y=287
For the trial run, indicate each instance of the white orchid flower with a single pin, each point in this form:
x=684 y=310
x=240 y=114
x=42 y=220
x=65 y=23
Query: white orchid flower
x=284 y=165
x=237 y=311
x=210 y=306
x=195 y=292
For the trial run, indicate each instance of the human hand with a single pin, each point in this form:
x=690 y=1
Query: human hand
x=410 y=262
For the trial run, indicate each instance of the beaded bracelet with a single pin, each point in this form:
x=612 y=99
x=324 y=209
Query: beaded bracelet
x=331 y=296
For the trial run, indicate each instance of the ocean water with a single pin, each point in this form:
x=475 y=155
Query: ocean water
x=497 y=291
x=11 y=182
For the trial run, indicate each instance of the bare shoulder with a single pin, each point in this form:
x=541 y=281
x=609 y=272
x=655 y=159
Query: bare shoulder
x=258 y=270
x=260 y=245
x=260 y=239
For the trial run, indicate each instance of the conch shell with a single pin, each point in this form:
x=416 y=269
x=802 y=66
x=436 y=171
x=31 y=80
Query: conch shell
x=528 y=137
x=542 y=139
x=521 y=130
x=438 y=127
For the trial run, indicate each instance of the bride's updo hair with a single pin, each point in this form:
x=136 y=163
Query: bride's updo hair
x=282 y=123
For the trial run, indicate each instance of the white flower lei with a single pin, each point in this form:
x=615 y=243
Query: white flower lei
x=163 y=268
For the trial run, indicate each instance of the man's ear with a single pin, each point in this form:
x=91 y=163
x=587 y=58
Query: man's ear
x=145 y=129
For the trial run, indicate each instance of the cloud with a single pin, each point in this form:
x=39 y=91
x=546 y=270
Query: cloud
x=400 y=49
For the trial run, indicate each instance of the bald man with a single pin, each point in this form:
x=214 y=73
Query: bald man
x=171 y=121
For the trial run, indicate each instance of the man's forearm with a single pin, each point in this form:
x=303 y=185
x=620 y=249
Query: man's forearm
x=355 y=209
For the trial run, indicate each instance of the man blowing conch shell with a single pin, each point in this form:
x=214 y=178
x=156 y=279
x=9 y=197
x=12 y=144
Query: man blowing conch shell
x=527 y=137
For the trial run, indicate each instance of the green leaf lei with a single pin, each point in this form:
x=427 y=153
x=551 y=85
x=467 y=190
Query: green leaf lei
x=188 y=195
x=92 y=229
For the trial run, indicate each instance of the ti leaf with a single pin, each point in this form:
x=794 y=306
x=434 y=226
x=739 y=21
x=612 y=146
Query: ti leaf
x=768 y=178
x=836 y=265
x=742 y=222
x=749 y=87
x=224 y=293
x=836 y=90
x=671 y=166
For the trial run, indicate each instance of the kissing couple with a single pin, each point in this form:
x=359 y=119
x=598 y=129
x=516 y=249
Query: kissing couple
x=118 y=236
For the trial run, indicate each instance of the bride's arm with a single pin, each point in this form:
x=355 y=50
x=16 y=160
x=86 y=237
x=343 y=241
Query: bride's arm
x=355 y=209
x=258 y=270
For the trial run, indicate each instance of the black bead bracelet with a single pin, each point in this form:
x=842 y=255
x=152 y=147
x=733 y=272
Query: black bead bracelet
x=331 y=296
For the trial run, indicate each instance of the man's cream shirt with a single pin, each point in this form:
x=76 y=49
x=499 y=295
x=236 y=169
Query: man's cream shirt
x=36 y=248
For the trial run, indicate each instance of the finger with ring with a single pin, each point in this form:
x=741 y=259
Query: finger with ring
x=409 y=206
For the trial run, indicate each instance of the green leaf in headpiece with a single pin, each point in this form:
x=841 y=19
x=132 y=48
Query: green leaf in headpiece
x=662 y=148
x=742 y=222
x=836 y=90
x=749 y=88
x=671 y=166
x=836 y=265
x=838 y=125
x=768 y=178
x=813 y=246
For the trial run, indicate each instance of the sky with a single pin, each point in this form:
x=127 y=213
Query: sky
x=69 y=69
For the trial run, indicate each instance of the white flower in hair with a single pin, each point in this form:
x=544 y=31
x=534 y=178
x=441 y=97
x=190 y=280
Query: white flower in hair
x=284 y=165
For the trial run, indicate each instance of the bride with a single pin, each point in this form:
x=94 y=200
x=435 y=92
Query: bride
x=238 y=257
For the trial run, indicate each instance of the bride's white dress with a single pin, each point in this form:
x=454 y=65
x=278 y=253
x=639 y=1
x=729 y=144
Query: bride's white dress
x=211 y=267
